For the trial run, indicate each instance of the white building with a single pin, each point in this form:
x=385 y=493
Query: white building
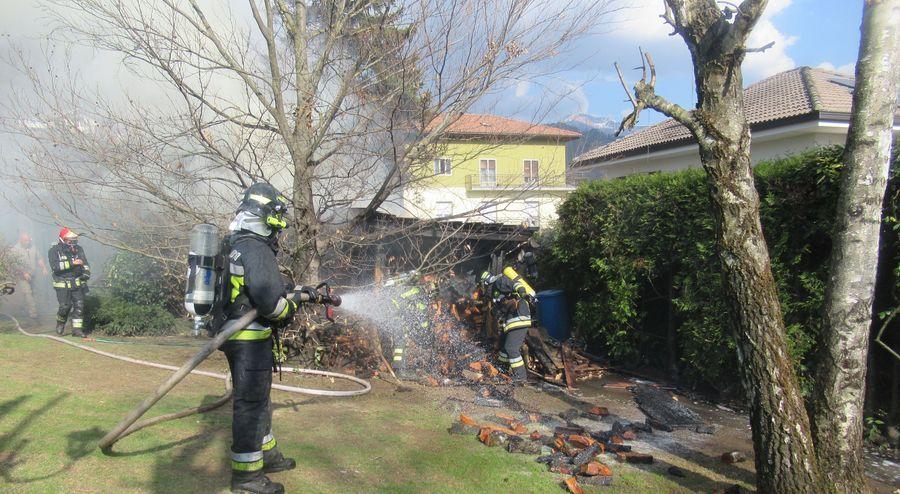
x=788 y=113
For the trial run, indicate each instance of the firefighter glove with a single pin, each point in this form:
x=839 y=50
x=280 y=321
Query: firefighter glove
x=311 y=292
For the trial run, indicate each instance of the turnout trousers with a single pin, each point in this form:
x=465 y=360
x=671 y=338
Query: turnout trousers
x=516 y=317
x=71 y=301
x=250 y=362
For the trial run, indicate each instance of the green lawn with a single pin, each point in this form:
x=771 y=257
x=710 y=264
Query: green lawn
x=56 y=401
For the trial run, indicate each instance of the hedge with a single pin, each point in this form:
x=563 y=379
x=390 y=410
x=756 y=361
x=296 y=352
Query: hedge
x=637 y=259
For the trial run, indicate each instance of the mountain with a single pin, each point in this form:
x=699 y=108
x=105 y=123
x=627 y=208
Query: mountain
x=595 y=132
x=583 y=123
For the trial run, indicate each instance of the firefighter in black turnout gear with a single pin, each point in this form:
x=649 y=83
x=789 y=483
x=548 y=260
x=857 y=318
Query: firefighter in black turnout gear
x=255 y=282
x=511 y=295
x=71 y=272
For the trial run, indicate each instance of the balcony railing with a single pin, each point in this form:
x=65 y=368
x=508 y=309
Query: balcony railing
x=514 y=182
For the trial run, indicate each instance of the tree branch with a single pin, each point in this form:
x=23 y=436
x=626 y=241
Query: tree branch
x=645 y=97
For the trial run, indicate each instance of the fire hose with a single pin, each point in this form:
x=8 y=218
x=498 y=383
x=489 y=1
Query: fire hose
x=130 y=424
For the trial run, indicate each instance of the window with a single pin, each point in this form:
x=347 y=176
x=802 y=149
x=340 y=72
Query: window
x=442 y=166
x=530 y=172
x=443 y=209
x=487 y=172
x=532 y=213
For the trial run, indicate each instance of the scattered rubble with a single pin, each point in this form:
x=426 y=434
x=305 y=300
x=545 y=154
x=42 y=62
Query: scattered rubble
x=663 y=411
x=572 y=485
x=570 y=450
x=733 y=457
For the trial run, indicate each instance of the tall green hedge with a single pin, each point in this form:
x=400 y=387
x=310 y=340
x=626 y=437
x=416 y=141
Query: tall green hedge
x=637 y=258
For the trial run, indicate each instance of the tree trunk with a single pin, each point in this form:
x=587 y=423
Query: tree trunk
x=305 y=252
x=850 y=292
x=671 y=329
x=894 y=412
x=785 y=460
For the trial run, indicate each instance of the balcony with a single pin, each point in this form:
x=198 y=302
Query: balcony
x=517 y=183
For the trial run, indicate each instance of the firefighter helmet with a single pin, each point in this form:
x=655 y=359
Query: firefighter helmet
x=263 y=200
x=68 y=237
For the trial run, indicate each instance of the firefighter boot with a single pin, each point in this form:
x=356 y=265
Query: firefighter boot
x=76 y=332
x=253 y=483
x=60 y=327
x=274 y=461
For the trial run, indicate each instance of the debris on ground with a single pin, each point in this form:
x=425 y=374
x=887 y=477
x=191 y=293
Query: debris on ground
x=733 y=457
x=567 y=448
x=572 y=485
x=663 y=411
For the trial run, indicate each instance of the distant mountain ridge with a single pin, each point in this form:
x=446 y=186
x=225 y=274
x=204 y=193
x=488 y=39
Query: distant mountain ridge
x=595 y=132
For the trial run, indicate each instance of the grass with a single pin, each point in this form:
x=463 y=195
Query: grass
x=57 y=401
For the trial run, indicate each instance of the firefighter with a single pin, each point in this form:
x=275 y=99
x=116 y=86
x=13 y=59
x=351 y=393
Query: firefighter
x=412 y=306
x=29 y=263
x=71 y=272
x=511 y=296
x=255 y=282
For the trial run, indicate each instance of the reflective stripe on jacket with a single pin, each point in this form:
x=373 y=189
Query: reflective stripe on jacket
x=255 y=283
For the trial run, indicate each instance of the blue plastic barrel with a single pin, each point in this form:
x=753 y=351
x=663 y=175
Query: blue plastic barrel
x=553 y=313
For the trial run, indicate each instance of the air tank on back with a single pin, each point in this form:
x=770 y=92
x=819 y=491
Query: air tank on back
x=200 y=293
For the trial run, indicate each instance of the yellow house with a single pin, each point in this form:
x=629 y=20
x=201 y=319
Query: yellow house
x=492 y=169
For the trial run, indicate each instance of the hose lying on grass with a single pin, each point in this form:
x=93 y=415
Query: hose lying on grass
x=129 y=424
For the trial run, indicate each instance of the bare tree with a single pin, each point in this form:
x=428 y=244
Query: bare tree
x=841 y=378
x=716 y=37
x=337 y=101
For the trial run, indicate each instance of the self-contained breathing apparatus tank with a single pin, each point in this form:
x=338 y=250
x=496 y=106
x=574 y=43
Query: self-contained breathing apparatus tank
x=511 y=273
x=204 y=264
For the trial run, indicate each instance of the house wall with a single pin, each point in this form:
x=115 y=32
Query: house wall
x=484 y=207
x=430 y=196
x=765 y=145
x=510 y=157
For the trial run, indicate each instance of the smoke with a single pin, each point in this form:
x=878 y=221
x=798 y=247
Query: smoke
x=440 y=347
x=378 y=308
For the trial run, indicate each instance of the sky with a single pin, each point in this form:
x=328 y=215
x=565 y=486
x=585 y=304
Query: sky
x=816 y=33
x=806 y=32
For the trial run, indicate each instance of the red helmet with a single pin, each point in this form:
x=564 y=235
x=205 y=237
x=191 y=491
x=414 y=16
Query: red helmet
x=67 y=236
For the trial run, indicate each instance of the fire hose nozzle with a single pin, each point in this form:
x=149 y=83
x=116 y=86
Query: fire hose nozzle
x=334 y=300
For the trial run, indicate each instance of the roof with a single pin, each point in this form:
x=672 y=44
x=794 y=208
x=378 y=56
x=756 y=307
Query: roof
x=799 y=94
x=474 y=124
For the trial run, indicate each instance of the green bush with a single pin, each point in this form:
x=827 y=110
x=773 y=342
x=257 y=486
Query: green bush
x=115 y=316
x=142 y=280
x=135 y=298
x=637 y=258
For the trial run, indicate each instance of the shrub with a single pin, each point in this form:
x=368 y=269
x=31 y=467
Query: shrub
x=637 y=258
x=115 y=316
x=142 y=280
x=133 y=298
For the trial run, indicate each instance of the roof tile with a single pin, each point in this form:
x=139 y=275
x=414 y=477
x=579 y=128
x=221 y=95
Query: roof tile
x=473 y=124
x=787 y=95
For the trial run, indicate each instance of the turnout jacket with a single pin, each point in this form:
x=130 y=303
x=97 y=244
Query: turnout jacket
x=503 y=287
x=67 y=274
x=256 y=283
